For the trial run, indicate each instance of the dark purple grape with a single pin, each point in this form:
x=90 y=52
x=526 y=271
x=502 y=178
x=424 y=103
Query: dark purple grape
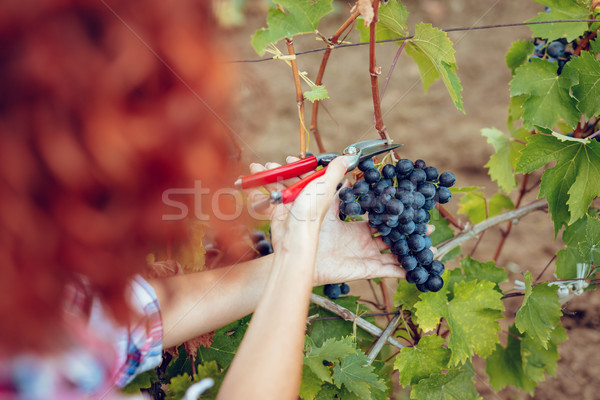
x=427 y=189
x=400 y=248
x=395 y=235
x=263 y=247
x=365 y=200
x=434 y=283
x=428 y=242
x=377 y=206
x=343 y=208
x=384 y=229
x=444 y=195
x=390 y=219
x=372 y=175
x=418 y=200
x=420 y=164
x=391 y=190
x=422 y=287
x=379 y=187
x=375 y=218
x=404 y=167
x=346 y=195
x=352 y=209
x=360 y=187
x=342 y=216
x=366 y=164
x=407 y=215
x=385 y=198
x=425 y=256
x=394 y=206
x=421 y=228
x=388 y=171
x=432 y=173
x=407 y=228
x=447 y=179
x=556 y=49
x=420 y=215
x=339 y=186
x=418 y=275
x=344 y=287
x=417 y=176
x=408 y=262
x=257 y=236
x=332 y=291
x=406 y=185
x=436 y=268
x=387 y=240
x=429 y=204
x=416 y=242
x=406 y=197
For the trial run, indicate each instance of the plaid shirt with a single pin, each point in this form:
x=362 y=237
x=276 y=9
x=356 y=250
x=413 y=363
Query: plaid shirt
x=103 y=356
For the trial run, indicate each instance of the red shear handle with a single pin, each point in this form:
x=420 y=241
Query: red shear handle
x=288 y=195
x=280 y=173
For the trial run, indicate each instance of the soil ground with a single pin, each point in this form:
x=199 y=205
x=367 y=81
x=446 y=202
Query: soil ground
x=430 y=128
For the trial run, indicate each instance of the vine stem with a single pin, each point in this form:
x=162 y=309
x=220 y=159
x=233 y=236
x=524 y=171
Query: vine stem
x=392 y=67
x=448 y=215
x=299 y=95
x=374 y=72
x=350 y=316
x=506 y=232
x=387 y=333
x=472 y=231
x=333 y=40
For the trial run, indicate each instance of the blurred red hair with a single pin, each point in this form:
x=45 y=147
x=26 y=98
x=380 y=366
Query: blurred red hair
x=93 y=128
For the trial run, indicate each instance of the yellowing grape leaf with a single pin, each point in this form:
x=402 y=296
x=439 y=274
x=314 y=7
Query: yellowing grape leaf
x=471 y=315
x=300 y=16
x=548 y=94
x=428 y=358
x=432 y=51
x=584 y=73
x=574 y=181
x=540 y=312
x=561 y=9
x=455 y=384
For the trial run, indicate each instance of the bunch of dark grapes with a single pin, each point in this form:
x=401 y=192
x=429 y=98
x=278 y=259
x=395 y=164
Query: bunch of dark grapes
x=558 y=51
x=333 y=291
x=397 y=199
x=261 y=245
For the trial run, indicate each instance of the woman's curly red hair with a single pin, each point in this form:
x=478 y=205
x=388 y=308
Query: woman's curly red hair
x=99 y=114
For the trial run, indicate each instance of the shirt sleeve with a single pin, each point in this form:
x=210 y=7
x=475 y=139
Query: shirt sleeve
x=139 y=345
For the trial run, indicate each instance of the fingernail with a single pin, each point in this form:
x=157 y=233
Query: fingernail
x=270 y=165
x=289 y=159
x=346 y=160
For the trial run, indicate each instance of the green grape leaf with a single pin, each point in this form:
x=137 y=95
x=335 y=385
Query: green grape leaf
x=487 y=271
x=442 y=233
x=584 y=71
x=406 y=295
x=560 y=9
x=472 y=318
x=141 y=381
x=391 y=25
x=432 y=51
x=328 y=392
x=574 y=181
x=595 y=45
x=430 y=309
x=225 y=343
x=590 y=248
x=471 y=315
x=210 y=370
x=310 y=384
x=300 y=16
x=331 y=351
x=566 y=263
x=316 y=93
x=518 y=53
x=457 y=383
x=474 y=205
x=358 y=377
x=537 y=360
x=505 y=365
x=177 y=387
x=515 y=112
x=428 y=358
x=540 y=312
x=549 y=98
x=500 y=166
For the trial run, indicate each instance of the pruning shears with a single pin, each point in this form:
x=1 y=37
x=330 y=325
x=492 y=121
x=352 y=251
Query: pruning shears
x=358 y=152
